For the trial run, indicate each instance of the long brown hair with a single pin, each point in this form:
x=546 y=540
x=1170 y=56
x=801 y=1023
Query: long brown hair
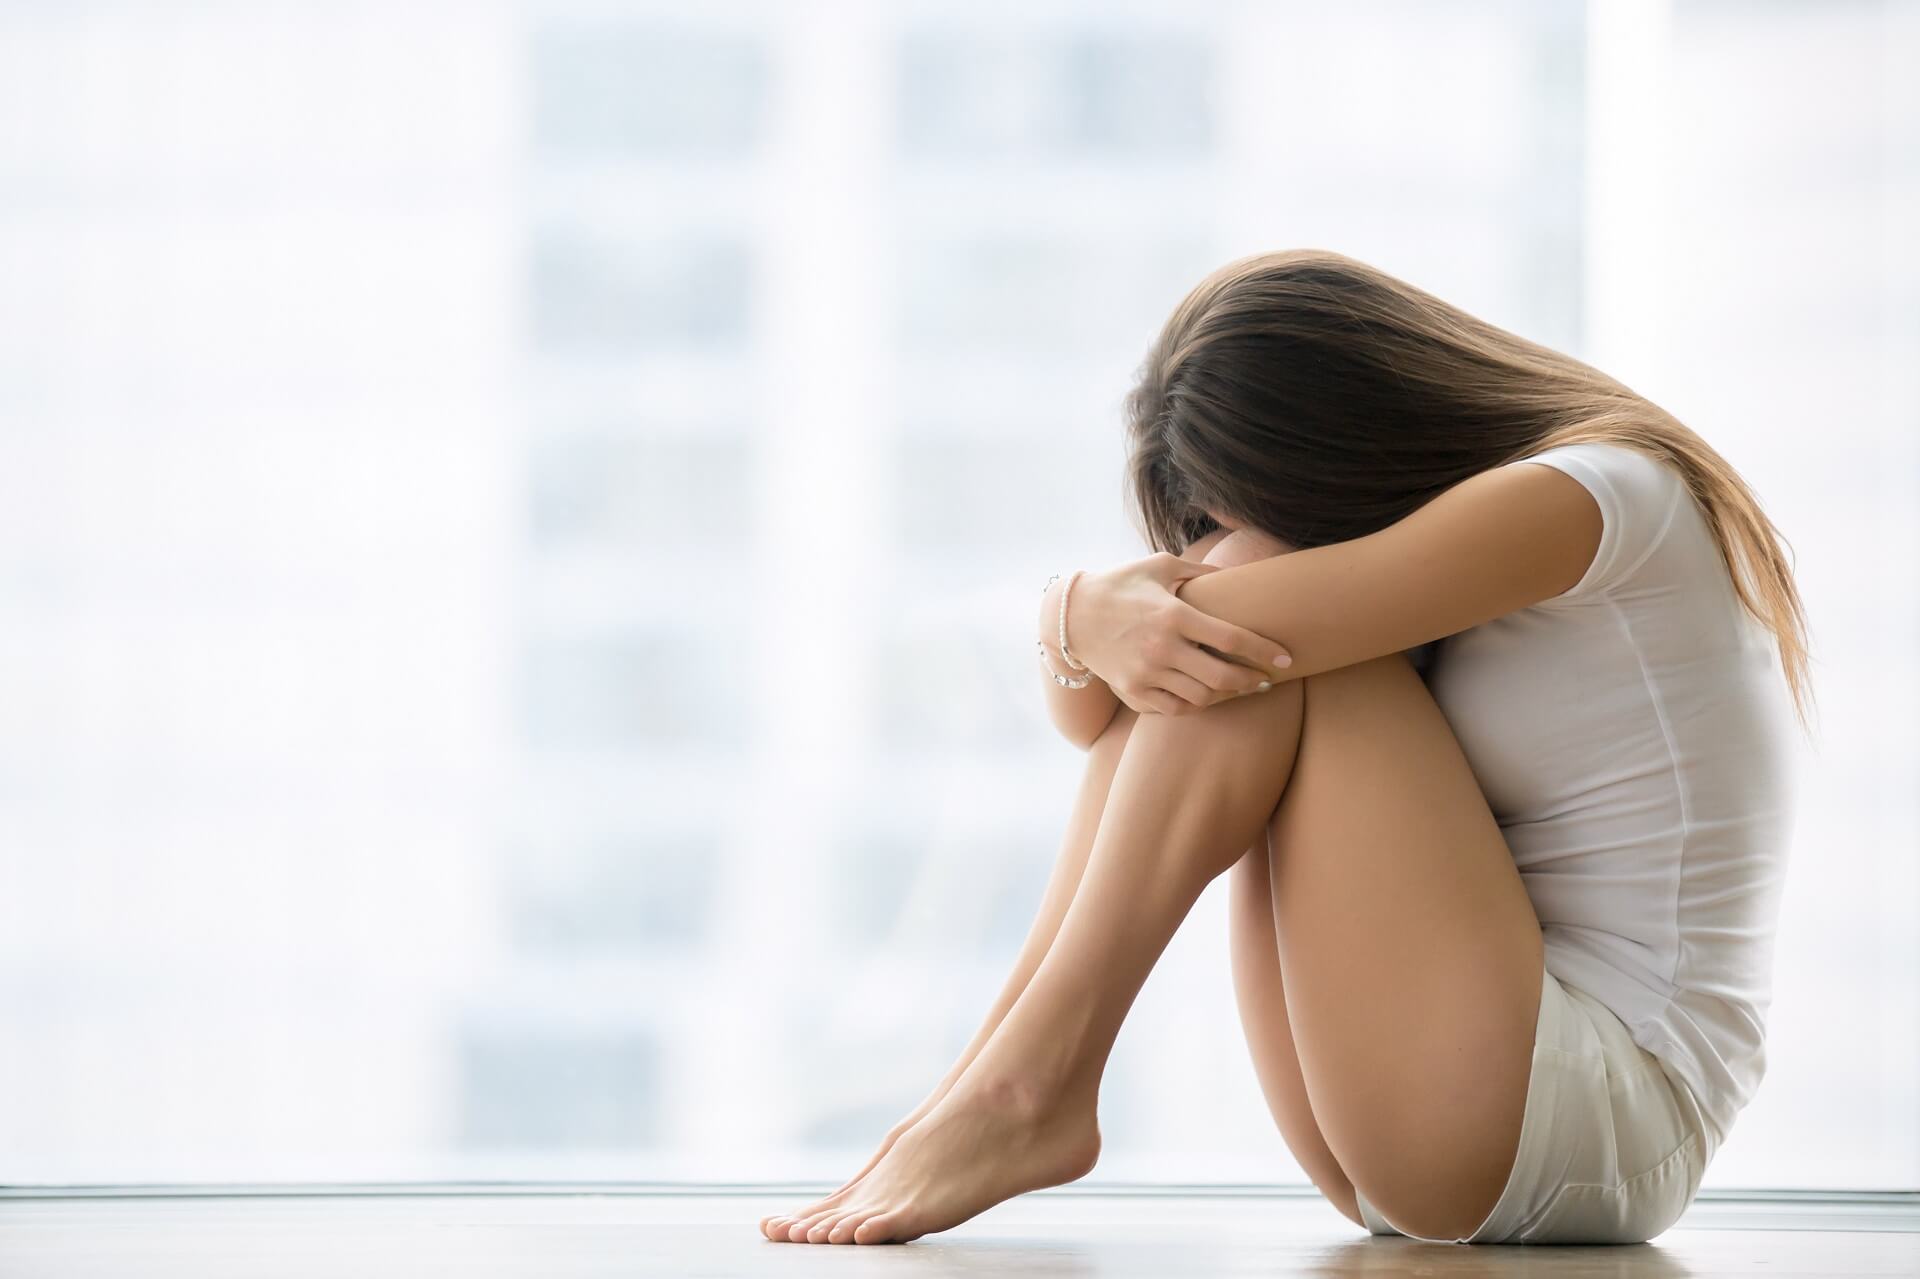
x=1320 y=399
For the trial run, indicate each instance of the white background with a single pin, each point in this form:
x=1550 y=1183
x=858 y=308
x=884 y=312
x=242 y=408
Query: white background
x=519 y=530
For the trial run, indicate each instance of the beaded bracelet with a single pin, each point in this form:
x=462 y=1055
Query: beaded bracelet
x=1039 y=645
x=1058 y=678
x=1065 y=591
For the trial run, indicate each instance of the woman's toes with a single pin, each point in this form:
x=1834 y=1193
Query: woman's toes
x=875 y=1229
x=780 y=1224
x=797 y=1230
x=849 y=1226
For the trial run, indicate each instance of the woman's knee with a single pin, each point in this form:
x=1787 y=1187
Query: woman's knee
x=1197 y=549
x=1391 y=675
x=1244 y=546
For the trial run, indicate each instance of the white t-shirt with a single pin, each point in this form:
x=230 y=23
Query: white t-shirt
x=1633 y=738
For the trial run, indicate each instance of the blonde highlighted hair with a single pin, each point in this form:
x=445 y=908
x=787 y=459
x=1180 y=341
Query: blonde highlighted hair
x=1321 y=399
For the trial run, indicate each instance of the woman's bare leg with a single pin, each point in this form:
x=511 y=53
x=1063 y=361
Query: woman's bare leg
x=1412 y=958
x=1292 y=891
x=1262 y=997
x=1024 y=1112
x=1411 y=955
x=1103 y=757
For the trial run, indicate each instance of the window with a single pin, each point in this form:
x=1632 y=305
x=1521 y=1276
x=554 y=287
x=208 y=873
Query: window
x=519 y=531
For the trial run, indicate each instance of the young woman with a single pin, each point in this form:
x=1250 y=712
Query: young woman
x=1478 y=671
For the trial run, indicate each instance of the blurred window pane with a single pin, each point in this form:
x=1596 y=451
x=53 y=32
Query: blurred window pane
x=520 y=531
x=618 y=88
x=972 y=93
x=609 y=297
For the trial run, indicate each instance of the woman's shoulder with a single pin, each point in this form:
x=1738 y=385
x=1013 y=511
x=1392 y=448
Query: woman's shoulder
x=1626 y=472
x=1638 y=495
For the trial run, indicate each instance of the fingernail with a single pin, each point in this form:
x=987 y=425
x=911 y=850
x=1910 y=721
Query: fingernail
x=1264 y=686
x=1283 y=661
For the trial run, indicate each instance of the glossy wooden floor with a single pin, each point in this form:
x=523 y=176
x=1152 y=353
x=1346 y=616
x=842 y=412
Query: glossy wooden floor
x=1056 y=1233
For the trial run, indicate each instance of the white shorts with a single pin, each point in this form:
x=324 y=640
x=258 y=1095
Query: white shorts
x=1612 y=1147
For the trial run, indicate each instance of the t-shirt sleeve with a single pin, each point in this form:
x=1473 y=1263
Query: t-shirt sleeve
x=1637 y=494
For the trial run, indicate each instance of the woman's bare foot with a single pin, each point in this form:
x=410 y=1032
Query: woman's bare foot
x=981 y=1144
x=775 y=1225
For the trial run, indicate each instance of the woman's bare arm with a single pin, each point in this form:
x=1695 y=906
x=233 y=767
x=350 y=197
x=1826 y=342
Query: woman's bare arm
x=1499 y=541
x=1082 y=714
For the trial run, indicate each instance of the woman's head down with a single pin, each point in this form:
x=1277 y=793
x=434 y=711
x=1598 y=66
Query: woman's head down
x=1320 y=399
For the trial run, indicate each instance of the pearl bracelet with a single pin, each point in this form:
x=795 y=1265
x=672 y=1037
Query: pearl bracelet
x=1047 y=662
x=1065 y=591
x=1058 y=678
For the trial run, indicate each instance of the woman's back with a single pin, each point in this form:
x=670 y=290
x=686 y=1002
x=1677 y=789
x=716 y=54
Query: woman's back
x=1633 y=738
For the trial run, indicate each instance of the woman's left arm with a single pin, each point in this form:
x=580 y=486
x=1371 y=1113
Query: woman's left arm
x=1496 y=542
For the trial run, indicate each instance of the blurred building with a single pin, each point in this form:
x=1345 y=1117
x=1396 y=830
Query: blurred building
x=522 y=524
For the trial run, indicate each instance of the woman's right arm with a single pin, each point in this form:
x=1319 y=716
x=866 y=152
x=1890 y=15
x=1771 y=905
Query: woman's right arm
x=1082 y=714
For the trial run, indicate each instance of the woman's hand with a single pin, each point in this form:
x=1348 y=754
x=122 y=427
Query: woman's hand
x=1156 y=651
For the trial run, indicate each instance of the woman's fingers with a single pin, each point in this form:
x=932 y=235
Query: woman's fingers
x=1193 y=695
x=1161 y=702
x=1205 y=628
x=1183 y=694
x=1226 y=679
x=1168 y=568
